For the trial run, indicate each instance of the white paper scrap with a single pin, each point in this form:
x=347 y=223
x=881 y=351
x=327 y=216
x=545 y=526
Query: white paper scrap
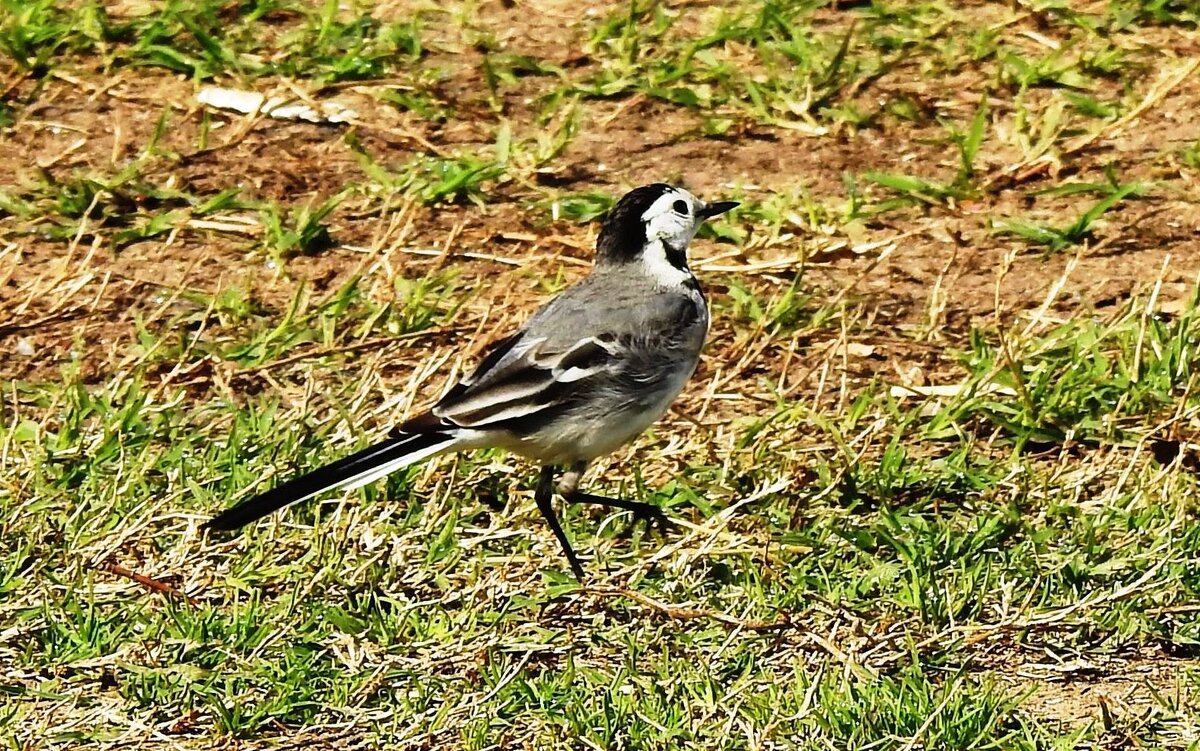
x=281 y=108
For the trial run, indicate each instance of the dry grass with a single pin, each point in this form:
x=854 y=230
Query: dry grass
x=934 y=483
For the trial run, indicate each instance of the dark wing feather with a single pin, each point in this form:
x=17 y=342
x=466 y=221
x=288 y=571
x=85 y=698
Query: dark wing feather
x=529 y=377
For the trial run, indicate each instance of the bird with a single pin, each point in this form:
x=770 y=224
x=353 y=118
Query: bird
x=587 y=373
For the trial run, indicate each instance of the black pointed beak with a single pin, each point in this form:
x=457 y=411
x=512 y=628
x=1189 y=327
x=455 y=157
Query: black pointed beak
x=716 y=208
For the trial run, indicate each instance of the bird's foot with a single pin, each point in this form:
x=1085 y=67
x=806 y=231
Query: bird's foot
x=653 y=516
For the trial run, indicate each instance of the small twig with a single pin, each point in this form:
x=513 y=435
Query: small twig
x=1026 y=170
x=977 y=633
x=20 y=76
x=15 y=324
x=1157 y=93
x=690 y=614
x=621 y=109
x=146 y=581
x=320 y=739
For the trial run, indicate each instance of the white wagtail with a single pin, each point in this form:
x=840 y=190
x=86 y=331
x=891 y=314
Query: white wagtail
x=586 y=374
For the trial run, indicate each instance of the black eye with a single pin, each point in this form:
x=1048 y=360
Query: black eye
x=680 y=207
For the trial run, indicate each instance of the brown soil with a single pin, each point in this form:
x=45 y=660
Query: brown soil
x=65 y=300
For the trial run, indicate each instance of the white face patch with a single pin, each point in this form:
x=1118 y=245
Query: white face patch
x=671 y=222
x=672 y=218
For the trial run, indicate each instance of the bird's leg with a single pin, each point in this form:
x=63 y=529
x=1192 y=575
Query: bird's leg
x=543 y=496
x=568 y=488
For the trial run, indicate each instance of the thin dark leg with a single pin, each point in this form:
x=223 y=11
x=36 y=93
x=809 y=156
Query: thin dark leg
x=543 y=496
x=569 y=490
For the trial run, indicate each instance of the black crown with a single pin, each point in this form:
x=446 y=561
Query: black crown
x=623 y=234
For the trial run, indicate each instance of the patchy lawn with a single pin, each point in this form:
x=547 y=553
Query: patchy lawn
x=934 y=484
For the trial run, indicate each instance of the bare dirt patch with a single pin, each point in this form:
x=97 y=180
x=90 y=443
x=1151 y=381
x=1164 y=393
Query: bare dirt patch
x=1106 y=692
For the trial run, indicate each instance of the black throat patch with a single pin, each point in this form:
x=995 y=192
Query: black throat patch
x=677 y=257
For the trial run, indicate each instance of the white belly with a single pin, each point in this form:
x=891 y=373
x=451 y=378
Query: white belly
x=583 y=438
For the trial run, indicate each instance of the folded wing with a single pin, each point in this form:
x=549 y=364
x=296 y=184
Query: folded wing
x=526 y=375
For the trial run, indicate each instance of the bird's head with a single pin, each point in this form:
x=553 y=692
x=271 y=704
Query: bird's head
x=653 y=224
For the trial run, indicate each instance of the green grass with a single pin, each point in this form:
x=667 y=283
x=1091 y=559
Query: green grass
x=898 y=525
x=197 y=38
x=1080 y=230
x=943 y=522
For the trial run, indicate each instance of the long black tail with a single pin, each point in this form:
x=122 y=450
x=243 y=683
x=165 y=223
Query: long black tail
x=353 y=471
